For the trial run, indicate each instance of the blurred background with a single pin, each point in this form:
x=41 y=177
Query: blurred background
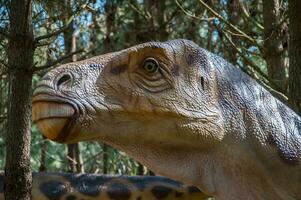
x=251 y=34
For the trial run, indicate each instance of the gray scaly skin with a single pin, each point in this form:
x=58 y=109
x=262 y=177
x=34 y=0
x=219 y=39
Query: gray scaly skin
x=183 y=112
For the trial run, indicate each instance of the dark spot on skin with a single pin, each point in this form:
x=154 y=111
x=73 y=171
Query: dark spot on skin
x=271 y=141
x=192 y=189
x=71 y=197
x=178 y=194
x=118 y=69
x=94 y=65
x=53 y=190
x=119 y=191
x=161 y=192
x=189 y=59
x=193 y=56
x=139 y=198
x=203 y=83
x=175 y=70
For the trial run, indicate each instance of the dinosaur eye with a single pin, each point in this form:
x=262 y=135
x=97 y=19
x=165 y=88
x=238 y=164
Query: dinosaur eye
x=150 y=65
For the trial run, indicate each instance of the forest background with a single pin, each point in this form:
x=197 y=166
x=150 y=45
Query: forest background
x=261 y=37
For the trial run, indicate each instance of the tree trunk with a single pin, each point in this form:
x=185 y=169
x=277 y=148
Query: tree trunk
x=44 y=145
x=105 y=158
x=273 y=36
x=74 y=158
x=135 y=28
x=235 y=17
x=157 y=27
x=3 y=104
x=18 y=178
x=140 y=169
x=295 y=54
x=161 y=19
x=110 y=9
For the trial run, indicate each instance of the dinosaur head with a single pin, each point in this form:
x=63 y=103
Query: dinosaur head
x=147 y=100
x=150 y=90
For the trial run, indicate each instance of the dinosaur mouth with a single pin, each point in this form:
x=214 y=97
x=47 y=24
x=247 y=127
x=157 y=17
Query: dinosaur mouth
x=54 y=119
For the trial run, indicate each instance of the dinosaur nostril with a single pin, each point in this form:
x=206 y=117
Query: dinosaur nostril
x=63 y=79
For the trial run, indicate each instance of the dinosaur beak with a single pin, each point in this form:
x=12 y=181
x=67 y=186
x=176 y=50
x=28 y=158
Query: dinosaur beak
x=52 y=118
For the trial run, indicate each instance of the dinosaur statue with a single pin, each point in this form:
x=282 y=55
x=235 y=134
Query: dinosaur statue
x=181 y=111
x=70 y=186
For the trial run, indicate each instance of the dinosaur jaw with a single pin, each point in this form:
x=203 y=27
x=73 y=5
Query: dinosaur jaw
x=53 y=119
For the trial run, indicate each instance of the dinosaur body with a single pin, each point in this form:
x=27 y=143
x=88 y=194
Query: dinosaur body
x=68 y=186
x=181 y=111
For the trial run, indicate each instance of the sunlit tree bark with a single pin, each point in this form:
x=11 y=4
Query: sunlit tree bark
x=295 y=54
x=273 y=42
x=18 y=178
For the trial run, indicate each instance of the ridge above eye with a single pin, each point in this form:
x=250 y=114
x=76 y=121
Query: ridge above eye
x=150 y=65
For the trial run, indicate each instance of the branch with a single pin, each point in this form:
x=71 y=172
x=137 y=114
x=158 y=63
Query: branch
x=41 y=44
x=86 y=53
x=271 y=85
x=55 y=33
x=144 y=15
x=228 y=23
x=38 y=68
x=249 y=18
x=37 y=14
x=192 y=15
x=168 y=20
x=2 y=62
x=93 y=157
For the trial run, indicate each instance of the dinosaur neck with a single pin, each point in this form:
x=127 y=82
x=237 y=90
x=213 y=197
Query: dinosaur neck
x=188 y=164
x=263 y=133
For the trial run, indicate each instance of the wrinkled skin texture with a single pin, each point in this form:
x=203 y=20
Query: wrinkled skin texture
x=196 y=118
